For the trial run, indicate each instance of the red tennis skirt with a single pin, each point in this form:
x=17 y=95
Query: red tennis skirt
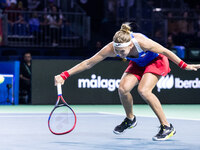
x=158 y=66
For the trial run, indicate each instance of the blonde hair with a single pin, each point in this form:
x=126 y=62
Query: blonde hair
x=123 y=35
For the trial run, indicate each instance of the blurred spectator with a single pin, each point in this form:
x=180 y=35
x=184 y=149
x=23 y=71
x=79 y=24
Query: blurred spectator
x=185 y=25
x=158 y=37
x=34 y=24
x=111 y=10
x=172 y=24
x=44 y=27
x=3 y=4
x=197 y=32
x=12 y=16
x=66 y=30
x=49 y=6
x=34 y=5
x=186 y=29
x=16 y=22
x=20 y=19
x=23 y=4
x=55 y=22
x=25 y=79
x=197 y=8
x=98 y=45
x=170 y=42
x=198 y=23
x=8 y=3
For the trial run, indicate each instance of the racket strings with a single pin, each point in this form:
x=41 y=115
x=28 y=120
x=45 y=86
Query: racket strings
x=62 y=120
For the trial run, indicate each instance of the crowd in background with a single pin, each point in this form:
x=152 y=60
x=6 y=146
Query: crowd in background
x=184 y=30
x=32 y=17
x=183 y=18
x=32 y=5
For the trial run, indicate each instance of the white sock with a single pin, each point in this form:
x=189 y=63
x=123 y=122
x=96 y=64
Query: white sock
x=131 y=118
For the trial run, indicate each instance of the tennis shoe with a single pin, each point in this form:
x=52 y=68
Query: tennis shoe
x=126 y=124
x=164 y=133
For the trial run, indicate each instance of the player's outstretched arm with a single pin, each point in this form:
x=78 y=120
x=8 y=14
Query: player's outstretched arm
x=105 y=52
x=153 y=46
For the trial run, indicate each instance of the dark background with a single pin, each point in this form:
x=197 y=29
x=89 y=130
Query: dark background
x=44 y=91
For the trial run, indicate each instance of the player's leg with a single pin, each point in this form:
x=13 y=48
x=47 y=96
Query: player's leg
x=127 y=83
x=145 y=88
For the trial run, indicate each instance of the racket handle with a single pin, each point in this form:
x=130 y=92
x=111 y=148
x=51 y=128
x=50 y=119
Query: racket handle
x=59 y=89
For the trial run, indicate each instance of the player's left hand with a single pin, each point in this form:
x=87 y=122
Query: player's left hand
x=192 y=67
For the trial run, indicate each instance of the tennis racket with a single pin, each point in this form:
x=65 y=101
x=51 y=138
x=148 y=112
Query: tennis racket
x=62 y=119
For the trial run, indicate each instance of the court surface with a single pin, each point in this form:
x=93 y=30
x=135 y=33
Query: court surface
x=25 y=128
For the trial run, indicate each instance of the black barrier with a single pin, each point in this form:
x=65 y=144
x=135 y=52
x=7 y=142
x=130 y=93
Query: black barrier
x=99 y=84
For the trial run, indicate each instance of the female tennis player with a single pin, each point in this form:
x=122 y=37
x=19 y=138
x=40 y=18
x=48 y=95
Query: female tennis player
x=149 y=61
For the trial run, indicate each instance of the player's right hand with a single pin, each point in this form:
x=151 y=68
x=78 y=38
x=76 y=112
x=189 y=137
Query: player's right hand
x=58 y=79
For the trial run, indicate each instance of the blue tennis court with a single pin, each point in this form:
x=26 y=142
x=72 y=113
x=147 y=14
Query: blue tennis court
x=25 y=127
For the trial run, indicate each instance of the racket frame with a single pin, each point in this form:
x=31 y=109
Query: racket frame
x=60 y=97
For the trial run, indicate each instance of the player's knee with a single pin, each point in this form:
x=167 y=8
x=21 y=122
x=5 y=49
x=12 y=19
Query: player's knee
x=122 y=90
x=144 y=92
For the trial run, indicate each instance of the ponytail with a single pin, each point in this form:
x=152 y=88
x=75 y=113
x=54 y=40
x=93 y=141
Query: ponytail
x=125 y=27
x=123 y=35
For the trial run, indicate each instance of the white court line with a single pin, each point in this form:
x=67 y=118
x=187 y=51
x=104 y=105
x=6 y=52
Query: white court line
x=88 y=114
x=117 y=114
x=22 y=116
x=46 y=115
